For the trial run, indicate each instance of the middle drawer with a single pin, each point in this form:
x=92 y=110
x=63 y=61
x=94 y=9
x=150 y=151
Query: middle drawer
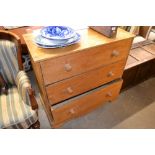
x=84 y=82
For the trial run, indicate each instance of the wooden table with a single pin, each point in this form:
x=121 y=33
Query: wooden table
x=79 y=78
x=20 y=32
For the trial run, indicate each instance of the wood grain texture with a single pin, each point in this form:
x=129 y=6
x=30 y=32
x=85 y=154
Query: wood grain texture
x=23 y=30
x=38 y=74
x=150 y=48
x=86 y=103
x=138 y=73
x=145 y=71
x=141 y=54
x=79 y=84
x=54 y=69
x=131 y=61
x=80 y=68
x=89 y=39
x=144 y=31
x=140 y=65
x=129 y=77
x=20 y=32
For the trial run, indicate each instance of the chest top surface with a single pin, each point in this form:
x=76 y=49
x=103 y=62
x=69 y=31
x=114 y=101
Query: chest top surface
x=89 y=39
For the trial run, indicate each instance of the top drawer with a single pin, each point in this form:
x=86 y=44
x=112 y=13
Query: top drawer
x=60 y=68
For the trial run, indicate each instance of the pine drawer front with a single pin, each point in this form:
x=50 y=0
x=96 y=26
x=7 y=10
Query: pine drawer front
x=60 y=68
x=85 y=103
x=79 y=84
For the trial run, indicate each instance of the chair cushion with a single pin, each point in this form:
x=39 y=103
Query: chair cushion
x=8 y=61
x=14 y=113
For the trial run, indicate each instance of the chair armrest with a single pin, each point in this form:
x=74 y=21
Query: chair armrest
x=25 y=90
x=33 y=100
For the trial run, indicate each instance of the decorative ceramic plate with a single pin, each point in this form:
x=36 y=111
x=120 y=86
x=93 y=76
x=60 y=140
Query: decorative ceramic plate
x=48 y=42
x=70 y=41
x=57 y=32
x=56 y=43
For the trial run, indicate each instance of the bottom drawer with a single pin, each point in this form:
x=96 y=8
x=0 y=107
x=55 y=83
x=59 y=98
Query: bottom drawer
x=86 y=102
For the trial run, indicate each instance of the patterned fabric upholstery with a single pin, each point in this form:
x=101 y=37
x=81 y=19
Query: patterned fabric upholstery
x=15 y=109
x=23 y=83
x=14 y=113
x=8 y=61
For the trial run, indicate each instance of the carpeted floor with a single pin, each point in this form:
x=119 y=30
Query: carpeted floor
x=132 y=109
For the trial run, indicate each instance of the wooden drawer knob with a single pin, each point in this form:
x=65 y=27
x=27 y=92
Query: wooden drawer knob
x=72 y=111
x=110 y=74
x=115 y=53
x=109 y=94
x=69 y=90
x=68 y=67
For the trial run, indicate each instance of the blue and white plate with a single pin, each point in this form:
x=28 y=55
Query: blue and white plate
x=57 y=32
x=46 y=43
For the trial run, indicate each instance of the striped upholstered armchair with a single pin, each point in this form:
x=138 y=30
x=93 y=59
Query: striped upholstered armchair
x=18 y=107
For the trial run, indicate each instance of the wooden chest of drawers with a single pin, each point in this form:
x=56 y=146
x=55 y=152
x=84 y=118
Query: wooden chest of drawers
x=77 y=79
